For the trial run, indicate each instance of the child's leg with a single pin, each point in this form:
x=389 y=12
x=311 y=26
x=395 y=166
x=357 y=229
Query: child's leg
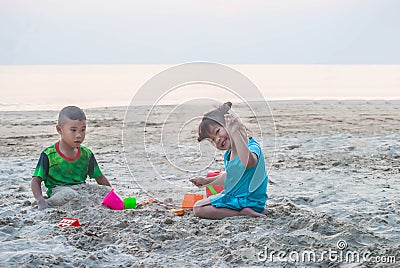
x=213 y=213
x=204 y=209
x=62 y=195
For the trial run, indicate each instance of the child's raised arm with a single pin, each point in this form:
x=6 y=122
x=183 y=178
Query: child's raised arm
x=238 y=136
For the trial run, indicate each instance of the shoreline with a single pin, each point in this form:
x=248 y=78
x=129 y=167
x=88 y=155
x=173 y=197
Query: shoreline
x=283 y=101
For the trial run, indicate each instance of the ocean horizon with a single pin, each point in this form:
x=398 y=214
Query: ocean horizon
x=51 y=87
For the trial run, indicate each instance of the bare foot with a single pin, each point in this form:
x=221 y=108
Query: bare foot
x=251 y=213
x=265 y=212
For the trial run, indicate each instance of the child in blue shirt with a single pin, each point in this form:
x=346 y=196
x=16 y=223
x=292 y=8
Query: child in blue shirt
x=245 y=178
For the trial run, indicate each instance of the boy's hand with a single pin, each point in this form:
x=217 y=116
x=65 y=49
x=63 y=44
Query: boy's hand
x=102 y=180
x=198 y=181
x=42 y=204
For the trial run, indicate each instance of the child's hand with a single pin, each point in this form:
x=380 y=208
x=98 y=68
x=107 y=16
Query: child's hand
x=42 y=204
x=233 y=124
x=198 y=181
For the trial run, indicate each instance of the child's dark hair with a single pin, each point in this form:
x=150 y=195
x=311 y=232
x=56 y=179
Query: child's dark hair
x=212 y=118
x=72 y=113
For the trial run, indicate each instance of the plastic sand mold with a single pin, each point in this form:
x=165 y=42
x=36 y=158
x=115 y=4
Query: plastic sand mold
x=66 y=222
x=178 y=212
x=213 y=173
x=150 y=200
x=213 y=189
x=113 y=201
x=129 y=202
x=190 y=199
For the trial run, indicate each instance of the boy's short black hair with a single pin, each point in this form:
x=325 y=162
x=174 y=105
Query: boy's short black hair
x=72 y=113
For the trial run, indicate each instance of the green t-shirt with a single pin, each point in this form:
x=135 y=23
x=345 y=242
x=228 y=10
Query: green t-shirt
x=55 y=169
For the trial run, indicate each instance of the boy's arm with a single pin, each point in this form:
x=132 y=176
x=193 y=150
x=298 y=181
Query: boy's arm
x=102 y=180
x=36 y=186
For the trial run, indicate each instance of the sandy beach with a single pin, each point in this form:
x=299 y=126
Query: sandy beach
x=334 y=169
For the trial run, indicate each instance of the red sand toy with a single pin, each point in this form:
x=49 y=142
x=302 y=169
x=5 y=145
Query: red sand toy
x=213 y=173
x=213 y=189
x=66 y=222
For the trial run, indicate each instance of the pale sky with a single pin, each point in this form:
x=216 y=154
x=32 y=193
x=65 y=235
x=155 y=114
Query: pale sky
x=172 y=32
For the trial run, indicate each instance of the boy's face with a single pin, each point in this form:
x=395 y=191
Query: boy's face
x=219 y=137
x=72 y=132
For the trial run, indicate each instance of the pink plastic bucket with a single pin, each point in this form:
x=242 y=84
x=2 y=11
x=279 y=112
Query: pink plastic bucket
x=113 y=201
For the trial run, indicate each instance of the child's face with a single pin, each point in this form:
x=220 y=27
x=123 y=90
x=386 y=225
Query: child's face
x=72 y=132
x=219 y=137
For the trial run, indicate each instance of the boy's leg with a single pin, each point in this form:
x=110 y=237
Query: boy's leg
x=62 y=195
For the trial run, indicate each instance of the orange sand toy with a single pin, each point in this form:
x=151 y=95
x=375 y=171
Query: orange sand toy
x=178 y=212
x=190 y=199
x=151 y=200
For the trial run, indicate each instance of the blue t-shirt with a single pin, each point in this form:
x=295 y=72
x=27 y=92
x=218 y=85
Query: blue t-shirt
x=244 y=187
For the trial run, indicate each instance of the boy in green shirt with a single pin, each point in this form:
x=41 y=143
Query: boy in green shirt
x=65 y=163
